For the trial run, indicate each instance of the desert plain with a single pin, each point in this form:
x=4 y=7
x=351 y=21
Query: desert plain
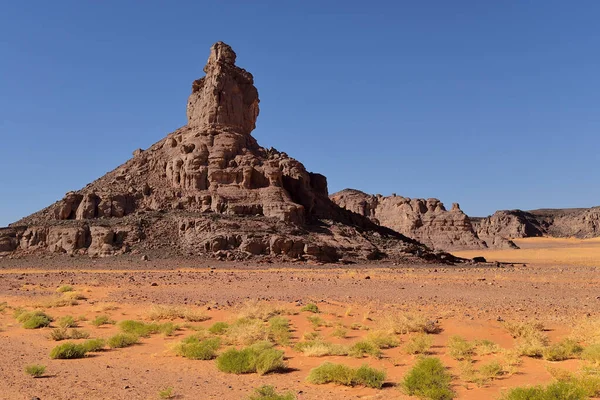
x=551 y=284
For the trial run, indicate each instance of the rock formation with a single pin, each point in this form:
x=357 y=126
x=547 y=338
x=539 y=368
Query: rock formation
x=427 y=221
x=581 y=223
x=208 y=187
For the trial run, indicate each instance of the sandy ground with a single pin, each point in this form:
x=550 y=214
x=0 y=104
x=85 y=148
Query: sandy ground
x=559 y=286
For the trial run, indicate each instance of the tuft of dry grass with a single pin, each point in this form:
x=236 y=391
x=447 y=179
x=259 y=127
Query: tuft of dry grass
x=263 y=310
x=419 y=344
x=408 y=323
x=247 y=331
x=318 y=348
x=160 y=312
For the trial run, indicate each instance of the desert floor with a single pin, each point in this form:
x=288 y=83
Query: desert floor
x=552 y=281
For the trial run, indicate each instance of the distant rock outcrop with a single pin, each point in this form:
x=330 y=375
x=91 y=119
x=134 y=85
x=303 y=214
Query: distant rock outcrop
x=210 y=188
x=575 y=222
x=427 y=221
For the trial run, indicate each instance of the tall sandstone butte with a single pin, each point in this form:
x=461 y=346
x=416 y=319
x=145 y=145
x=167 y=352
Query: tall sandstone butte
x=209 y=187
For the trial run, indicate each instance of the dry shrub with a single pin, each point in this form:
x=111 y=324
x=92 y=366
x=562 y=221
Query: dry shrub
x=587 y=330
x=160 y=312
x=263 y=310
x=409 y=322
x=247 y=331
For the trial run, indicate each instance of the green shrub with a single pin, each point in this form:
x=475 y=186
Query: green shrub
x=63 y=334
x=247 y=331
x=428 y=379
x=65 y=288
x=269 y=393
x=94 y=345
x=103 y=320
x=340 y=332
x=362 y=348
x=260 y=357
x=311 y=307
x=35 y=370
x=460 y=349
x=563 y=350
x=196 y=349
x=318 y=348
x=219 y=328
x=279 y=330
x=139 y=328
x=316 y=321
x=166 y=393
x=121 y=340
x=485 y=347
x=382 y=339
x=554 y=391
x=347 y=376
x=419 y=344
x=67 y=322
x=592 y=353
x=68 y=350
x=34 y=319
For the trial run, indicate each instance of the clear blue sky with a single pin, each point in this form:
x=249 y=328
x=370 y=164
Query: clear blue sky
x=491 y=104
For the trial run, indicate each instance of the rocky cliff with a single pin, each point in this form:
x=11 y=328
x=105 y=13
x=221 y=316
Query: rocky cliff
x=426 y=220
x=581 y=223
x=208 y=187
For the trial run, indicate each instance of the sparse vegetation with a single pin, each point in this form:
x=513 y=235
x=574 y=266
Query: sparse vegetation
x=460 y=349
x=59 y=334
x=65 y=288
x=166 y=393
x=262 y=310
x=485 y=347
x=103 y=320
x=310 y=307
x=269 y=393
x=94 y=345
x=363 y=348
x=319 y=348
x=419 y=344
x=409 y=323
x=554 y=391
x=592 y=354
x=247 y=331
x=34 y=319
x=35 y=370
x=67 y=322
x=347 y=376
x=484 y=375
x=219 y=328
x=121 y=340
x=195 y=349
x=382 y=339
x=279 y=330
x=261 y=358
x=316 y=321
x=68 y=350
x=340 y=332
x=563 y=350
x=428 y=379
x=160 y=312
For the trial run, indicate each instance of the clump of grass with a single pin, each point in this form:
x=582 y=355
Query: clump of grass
x=460 y=349
x=419 y=344
x=263 y=310
x=94 y=345
x=563 y=350
x=340 y=332
x=382 y=339
x=309 y=336
x=59 y=334
x=34 y=319
x=279 y=330
x=532 y=344
x=428 y=379
x=68 y=350
x=592 y=354
x=160 y=312
x=409 y=323
x=195 y=349
x=166 y=393
x=586 y=379
x=219 y=328
x=310 y=307
x=486 y=373
x=358 y=327
x=35 y=370
x=247 y=331
x=318 y=348
x=121 y=340
x=73 y=296
x=587 y=330
x=261 y=358
x=522 y=329
x=103 y=320
x=139 y=328
x=363 y=348
x=65 y=288
x=3 y=306
x=316 y=321
x=269 y=393
x=554 y=391
x=485 y=347
x=347 y=376
x=67 y=322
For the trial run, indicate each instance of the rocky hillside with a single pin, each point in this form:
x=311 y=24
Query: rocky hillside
x=581 y=223
x=428 y=221
x=208 y=187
